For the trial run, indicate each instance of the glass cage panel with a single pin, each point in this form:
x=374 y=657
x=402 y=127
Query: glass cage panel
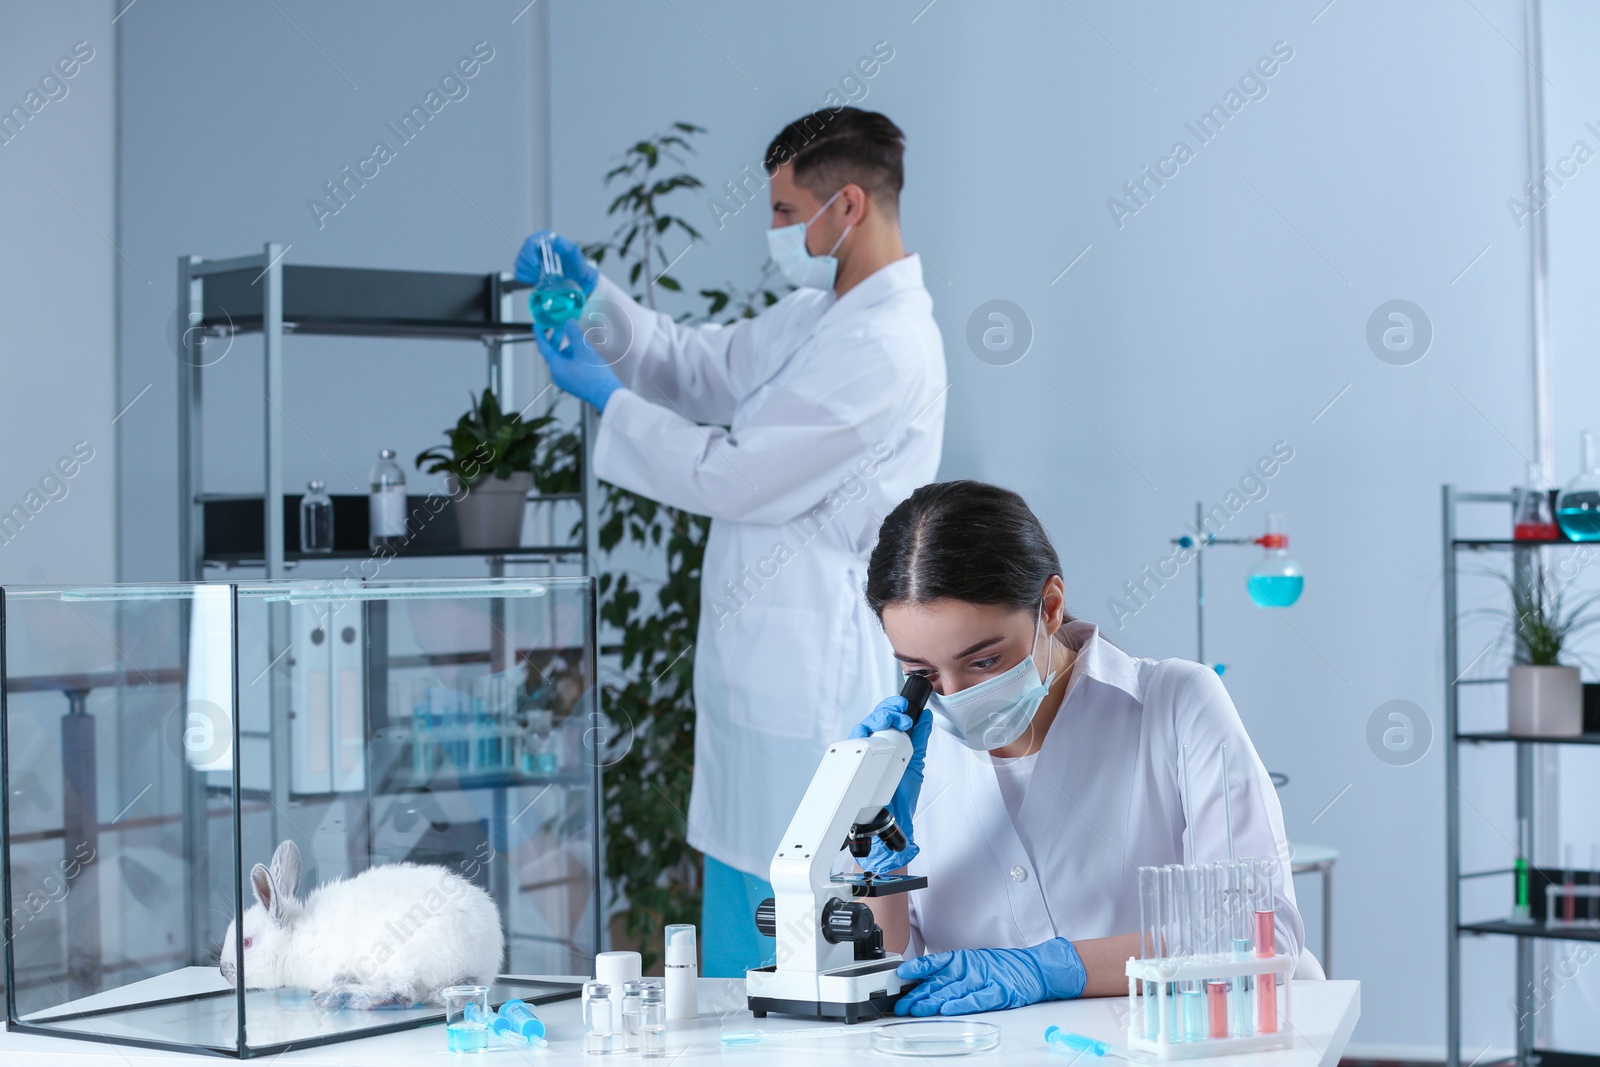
x=161 y=741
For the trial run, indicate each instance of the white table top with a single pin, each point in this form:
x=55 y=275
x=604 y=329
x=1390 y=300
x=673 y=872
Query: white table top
x=1325 y=1014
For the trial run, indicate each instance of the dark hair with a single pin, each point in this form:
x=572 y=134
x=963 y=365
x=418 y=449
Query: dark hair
x=831 y=149
x=961 y=540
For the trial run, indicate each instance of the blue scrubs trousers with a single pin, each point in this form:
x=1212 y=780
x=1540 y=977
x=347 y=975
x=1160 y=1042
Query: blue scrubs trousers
x=730 y=944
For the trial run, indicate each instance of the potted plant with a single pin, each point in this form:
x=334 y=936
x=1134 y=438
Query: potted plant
x=1544 y=696
x=489 y=461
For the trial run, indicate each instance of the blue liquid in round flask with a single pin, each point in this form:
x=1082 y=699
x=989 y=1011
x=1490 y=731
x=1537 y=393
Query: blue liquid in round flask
x=1276 y=582
x=1578 y=506
x=557 y=299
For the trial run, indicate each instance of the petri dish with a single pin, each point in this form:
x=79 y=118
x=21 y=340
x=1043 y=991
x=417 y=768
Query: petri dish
x=936 y=1037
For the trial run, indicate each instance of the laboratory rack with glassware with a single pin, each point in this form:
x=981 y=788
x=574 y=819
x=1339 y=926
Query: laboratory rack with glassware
x=1530 y=877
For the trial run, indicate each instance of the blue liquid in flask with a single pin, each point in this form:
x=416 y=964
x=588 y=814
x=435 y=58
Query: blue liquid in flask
x=1275 y=590
x=555 y=306
x=1580 y=522
x=467 y=1037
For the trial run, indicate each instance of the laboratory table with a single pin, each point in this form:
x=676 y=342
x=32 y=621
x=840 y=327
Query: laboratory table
x=1325 y=1014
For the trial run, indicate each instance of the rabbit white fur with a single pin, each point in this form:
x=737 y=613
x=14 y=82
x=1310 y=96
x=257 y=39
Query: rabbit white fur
x=390 y=937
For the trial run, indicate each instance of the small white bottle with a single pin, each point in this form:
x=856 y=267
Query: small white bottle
x=386 y=506
x=683 y=973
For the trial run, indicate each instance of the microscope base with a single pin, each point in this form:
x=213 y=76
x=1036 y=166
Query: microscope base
x=851 y=994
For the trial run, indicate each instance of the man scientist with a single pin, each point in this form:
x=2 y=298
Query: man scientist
x=796 y=431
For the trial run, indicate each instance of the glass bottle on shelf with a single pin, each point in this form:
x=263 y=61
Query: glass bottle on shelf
x=557 y=299
x=386 y=508
x=316 y=519
x=1578 y=507
x=1277 y=581
x=1533 y=520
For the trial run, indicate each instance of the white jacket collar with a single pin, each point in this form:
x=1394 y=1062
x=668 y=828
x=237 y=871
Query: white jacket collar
x=1100 y=660
x=904 y=273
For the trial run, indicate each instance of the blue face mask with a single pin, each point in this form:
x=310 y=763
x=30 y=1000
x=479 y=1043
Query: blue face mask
x=787 y=247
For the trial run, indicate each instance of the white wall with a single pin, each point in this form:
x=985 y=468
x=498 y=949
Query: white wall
x=233 y=118
x=57 y=271
x=1221 y=318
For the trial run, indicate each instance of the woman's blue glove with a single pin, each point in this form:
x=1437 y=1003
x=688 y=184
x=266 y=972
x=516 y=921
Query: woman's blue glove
x=989 y=979
x=530 y=261
x=890 y=714
x=579 y=369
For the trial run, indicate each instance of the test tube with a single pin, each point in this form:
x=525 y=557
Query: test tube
x=1239 y=943
x=1568 y=879
x=1520 y=911
x=1174 y=916
x=1262 y=904
x=1591 y=909
x=1192 y=991
x=1150 y=941
x=1216 y=932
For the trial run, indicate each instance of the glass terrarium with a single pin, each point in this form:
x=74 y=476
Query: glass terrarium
x=160 y=742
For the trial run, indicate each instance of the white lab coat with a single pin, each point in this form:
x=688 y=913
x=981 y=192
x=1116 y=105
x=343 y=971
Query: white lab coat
x=834 y=409
x=1103 y=801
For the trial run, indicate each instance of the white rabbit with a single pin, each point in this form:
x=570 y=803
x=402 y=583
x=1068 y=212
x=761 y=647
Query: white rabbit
x=391 y=937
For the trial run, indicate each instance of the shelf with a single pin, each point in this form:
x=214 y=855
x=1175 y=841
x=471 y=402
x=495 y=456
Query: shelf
x=357 y=302
x=1538 y=931
x=233 y=532
x=1506 y=542
x=1493 y=736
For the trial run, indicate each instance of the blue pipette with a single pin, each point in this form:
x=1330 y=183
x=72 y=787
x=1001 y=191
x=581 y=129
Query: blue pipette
x=1054 y=1035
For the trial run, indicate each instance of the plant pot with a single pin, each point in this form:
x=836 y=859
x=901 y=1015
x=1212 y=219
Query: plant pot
x=490 y=514
x=1544 y=701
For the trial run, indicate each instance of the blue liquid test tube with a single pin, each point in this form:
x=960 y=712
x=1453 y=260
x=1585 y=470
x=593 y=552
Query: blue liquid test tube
x=1240 y=918
x=1174 y=912
x=1150 y=942
x=1191 y=993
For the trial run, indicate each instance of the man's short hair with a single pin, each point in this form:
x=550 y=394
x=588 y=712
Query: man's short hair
x=831 y=149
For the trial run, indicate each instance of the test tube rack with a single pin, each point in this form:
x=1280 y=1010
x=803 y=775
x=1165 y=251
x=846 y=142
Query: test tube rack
x=1166 y=973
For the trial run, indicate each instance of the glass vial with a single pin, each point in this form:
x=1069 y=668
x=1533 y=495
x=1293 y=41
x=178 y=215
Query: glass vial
x=599 y=1036
x=632 y=1013
x=653 y=1022
x=386 y=508
x=316 y=519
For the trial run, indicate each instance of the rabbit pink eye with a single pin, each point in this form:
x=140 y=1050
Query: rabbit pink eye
x=249 y=941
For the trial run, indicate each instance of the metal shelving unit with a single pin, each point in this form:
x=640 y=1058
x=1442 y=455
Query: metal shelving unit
x=261 y=294
x=1526 y=936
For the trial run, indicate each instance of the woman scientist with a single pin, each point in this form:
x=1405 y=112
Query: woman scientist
x=1054 y=773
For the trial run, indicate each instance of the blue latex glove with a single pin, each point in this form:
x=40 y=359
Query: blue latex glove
x=890 y=714
x=577 y=368
x=989 y=979
x=530 y=263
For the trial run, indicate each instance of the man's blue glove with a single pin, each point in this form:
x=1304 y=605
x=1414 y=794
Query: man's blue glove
x=579 y=369
x=530 y=261
x=890 y=714
x=989 y=979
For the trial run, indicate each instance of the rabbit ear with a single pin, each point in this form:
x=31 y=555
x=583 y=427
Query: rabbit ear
x=286 y=869
x=267 y=894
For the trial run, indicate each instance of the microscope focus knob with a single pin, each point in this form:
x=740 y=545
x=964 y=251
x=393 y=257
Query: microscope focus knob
x=767 y=917
x=846 y=920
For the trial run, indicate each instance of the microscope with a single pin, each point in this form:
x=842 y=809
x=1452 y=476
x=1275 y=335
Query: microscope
x=831 y=963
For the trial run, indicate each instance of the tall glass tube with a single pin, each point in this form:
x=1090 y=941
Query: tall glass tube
x=1215 y=878
x=1150 y=942
x=1175 y=925
x=1191 y=992
x=1239 y=943
x=1264 y=907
